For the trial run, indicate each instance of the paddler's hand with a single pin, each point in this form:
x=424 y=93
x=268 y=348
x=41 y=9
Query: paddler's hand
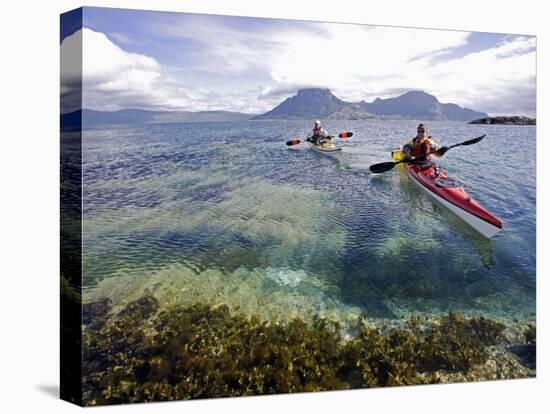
x=441 y=151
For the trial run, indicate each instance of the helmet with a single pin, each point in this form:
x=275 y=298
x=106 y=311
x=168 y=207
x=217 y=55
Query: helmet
x=317 y=122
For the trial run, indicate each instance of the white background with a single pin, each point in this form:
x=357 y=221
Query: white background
x=29 y=147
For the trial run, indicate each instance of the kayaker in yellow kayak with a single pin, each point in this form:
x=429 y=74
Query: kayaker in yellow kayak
x=319 y=134
x=421 y=144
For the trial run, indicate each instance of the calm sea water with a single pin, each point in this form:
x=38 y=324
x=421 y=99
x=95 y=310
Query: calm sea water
x=226 y=213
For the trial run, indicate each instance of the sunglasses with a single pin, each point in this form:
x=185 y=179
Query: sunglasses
x=421 y=130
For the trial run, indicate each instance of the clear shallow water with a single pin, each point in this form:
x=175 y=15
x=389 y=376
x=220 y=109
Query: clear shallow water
x=226 y=213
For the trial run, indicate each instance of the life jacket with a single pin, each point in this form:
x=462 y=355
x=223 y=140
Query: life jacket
x=317 y=132
x=418 y=150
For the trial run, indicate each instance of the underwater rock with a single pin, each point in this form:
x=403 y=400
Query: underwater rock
x=531 y=345
x=94 y=315
x=286 y=277
x=531 y=335
x=203 y=351
x=142 y=307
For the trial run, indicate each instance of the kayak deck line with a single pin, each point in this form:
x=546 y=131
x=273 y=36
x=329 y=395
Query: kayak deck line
x=457 y=200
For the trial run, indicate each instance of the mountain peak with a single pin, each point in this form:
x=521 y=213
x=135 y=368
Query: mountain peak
x=307 y=103
x=314 y=91
x=417 y=93
x=421 y=95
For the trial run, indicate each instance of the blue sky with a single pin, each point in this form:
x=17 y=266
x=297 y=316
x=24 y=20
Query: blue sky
x=179 y=61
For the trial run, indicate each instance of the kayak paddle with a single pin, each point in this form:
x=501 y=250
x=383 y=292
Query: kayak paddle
x=343 y=135
x=386 y=166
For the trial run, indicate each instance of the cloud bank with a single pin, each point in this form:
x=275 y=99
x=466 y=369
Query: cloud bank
x=355 y=62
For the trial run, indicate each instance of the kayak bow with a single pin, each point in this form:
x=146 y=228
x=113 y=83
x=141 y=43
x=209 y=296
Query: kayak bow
x=326 y=149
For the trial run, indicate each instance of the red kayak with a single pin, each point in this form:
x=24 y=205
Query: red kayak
x=436 y=183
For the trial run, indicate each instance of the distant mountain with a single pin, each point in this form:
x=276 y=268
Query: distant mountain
x=307 y=103
x=420 y=105
x=505 y=120
x=321 y=103
x=139 y=116
x=351 y=112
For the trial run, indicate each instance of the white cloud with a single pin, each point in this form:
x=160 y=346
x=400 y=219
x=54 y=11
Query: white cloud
x=71 y=73
x=230 y=49
x=358 y=64
x=500 y=80
x=113 y=78
x=354 y=60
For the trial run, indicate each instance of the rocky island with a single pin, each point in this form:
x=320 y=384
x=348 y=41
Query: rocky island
x=505 y=120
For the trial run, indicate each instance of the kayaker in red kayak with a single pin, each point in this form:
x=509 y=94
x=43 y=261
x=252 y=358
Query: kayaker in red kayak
x=319 y=134
x=420 y=145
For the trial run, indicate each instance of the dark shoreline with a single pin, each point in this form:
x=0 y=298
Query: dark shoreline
x=504 y=120
x=145 y=354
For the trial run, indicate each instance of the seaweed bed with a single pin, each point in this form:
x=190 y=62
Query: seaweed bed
x=144 y=354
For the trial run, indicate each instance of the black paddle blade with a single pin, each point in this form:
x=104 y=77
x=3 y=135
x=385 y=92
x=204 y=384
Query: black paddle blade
x=293 y=142
x=474 y=140
x=345 y=135
x=382 y=167
x=441 y=151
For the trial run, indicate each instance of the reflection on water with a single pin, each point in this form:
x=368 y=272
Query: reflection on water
x=416 y=200
x=236 y=217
